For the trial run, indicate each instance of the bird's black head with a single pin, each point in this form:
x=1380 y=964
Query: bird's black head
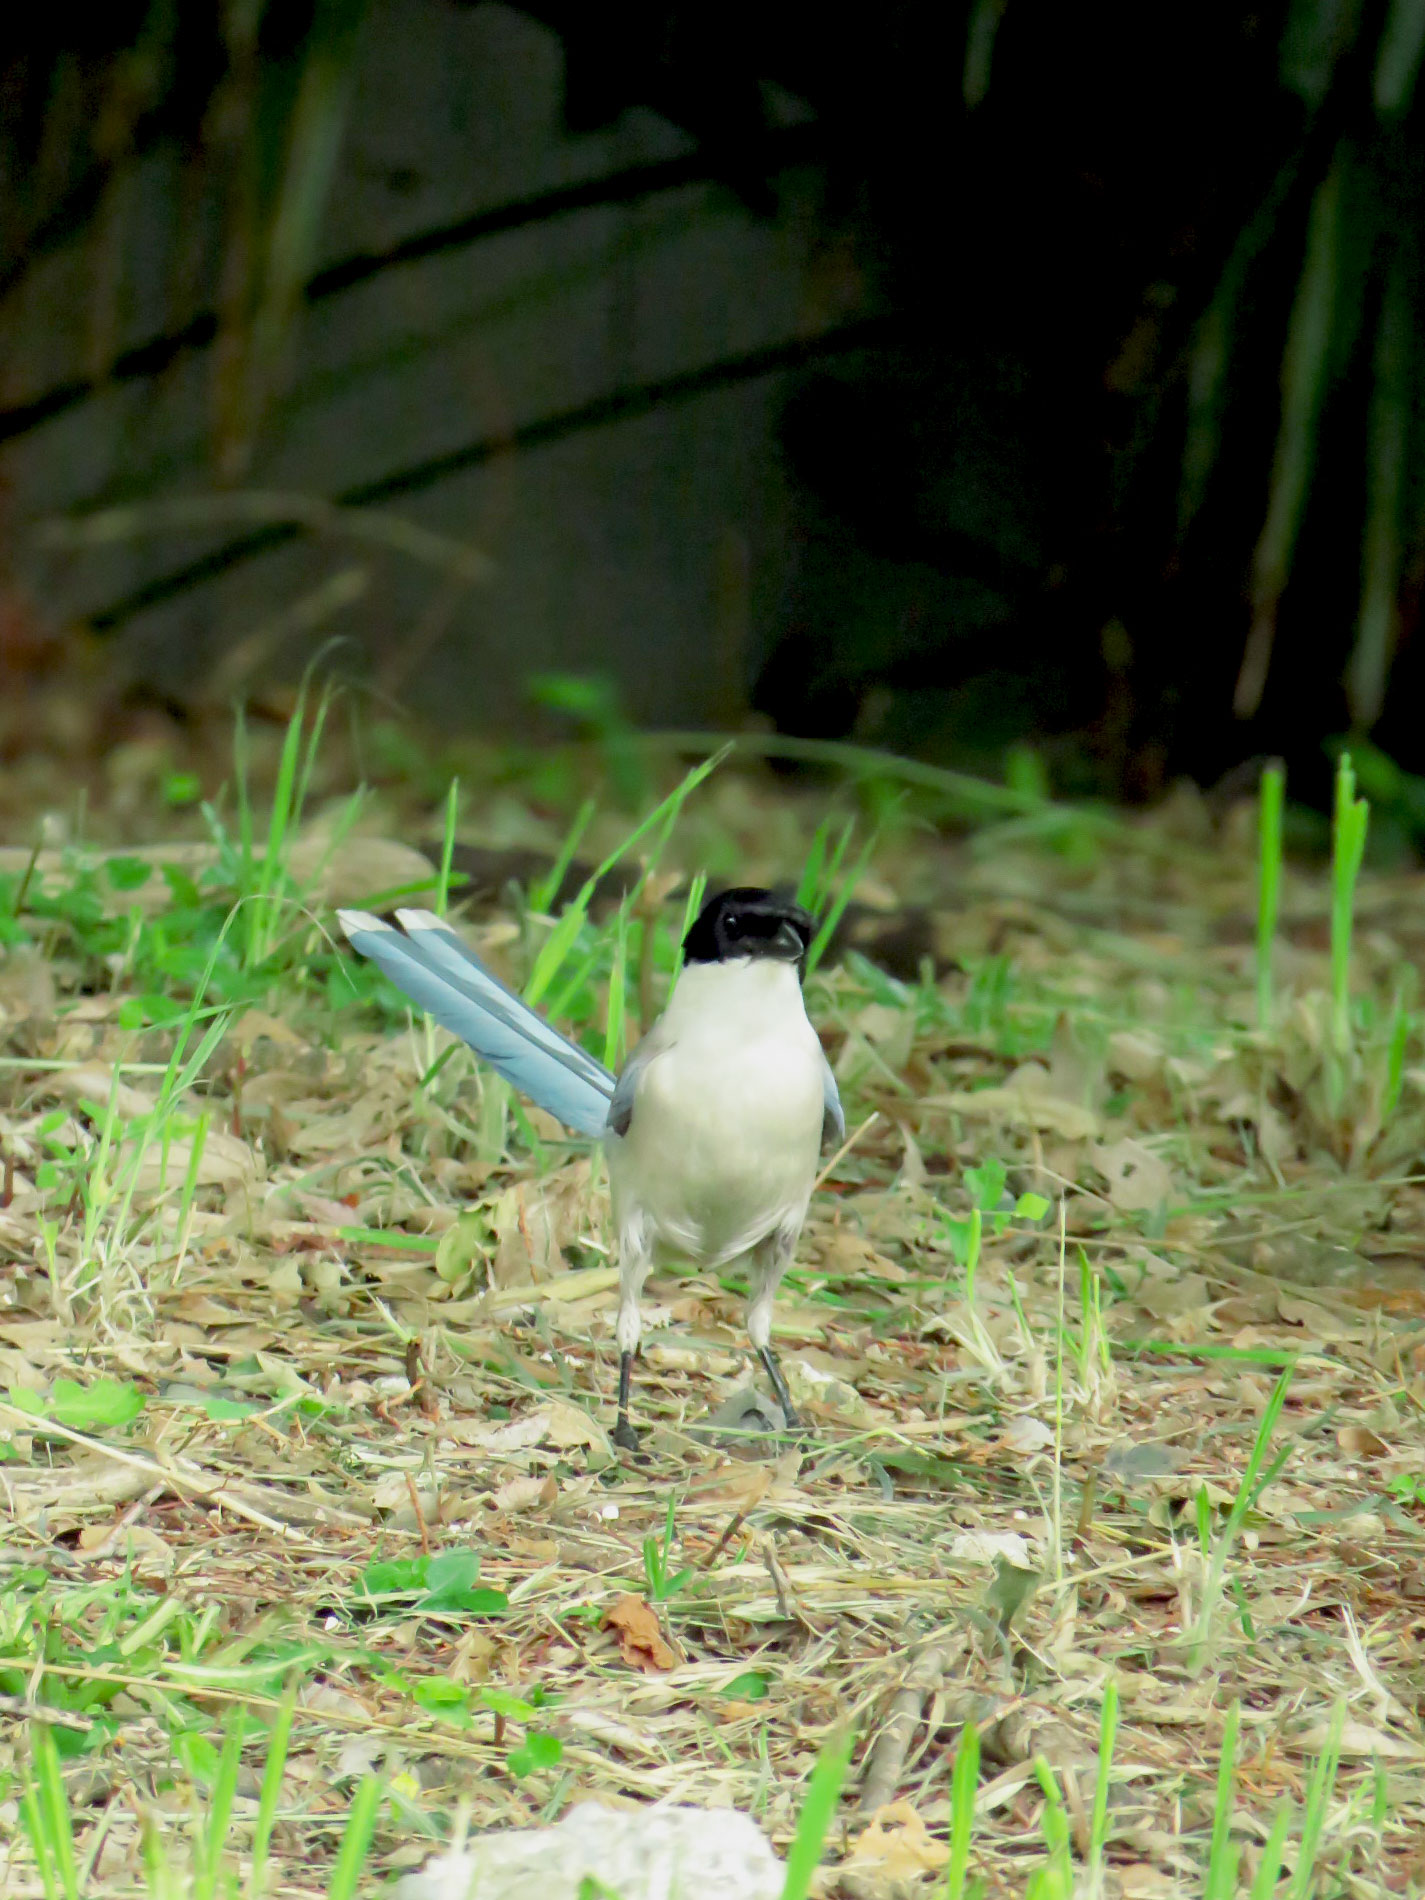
x=747 y=922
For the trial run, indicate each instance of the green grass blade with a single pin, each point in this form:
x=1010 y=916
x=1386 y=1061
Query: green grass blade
x=964 y=1781
x=356 y=1839
x=817 y=1814
x=1221 y=1861
x=158 y=1872
x=697 y=891
x=614 y=1031
x=280 y=814
x=310 y=749
x=447 y=847
x=1402 y=1022
x=1318 y=1801
x=1254 y=1482
x=1055 y=1880
x=809 y=884
x=46 y=1808
x=543 y=892
x=1348 y=845
x=1271 y=799
x=1098 y=1821
x=38 y=1834
x=843 y=897
x=220 y=1808
x=270 y=1793
x=1264 y=1883
x=562 y=938
x=242 y=775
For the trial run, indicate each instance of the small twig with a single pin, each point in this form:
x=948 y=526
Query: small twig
x=733 y=1526
x=786 y=1597
x=218 y=1491
x=22 y=1710
x=845 y=1148
x=1078 y=1813
x=1086 y=1505
x=420 y=1515
x=130 y=1516
x=22 y=889
x=886 y=1757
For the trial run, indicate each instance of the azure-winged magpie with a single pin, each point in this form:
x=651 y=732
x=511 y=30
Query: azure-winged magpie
x=713 y=1129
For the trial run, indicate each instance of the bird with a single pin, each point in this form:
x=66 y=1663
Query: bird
x=714 y=1127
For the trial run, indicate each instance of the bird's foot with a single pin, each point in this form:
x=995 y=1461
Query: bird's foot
x=624 y=1436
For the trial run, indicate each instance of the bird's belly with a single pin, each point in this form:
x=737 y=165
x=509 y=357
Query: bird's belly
x=716 y=1161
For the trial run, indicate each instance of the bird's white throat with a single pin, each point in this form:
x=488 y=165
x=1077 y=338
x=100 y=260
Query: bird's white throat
x=748 y=996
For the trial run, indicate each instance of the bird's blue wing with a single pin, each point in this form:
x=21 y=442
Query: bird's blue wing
x=833 y=1120
x=437 y=945
x=431 y=965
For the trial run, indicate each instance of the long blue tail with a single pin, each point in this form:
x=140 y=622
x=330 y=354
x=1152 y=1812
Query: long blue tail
x=430 y=964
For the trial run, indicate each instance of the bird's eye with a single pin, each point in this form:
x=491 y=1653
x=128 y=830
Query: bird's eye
x=733 y=926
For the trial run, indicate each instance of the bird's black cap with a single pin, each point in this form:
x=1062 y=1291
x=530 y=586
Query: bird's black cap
x=747 y=922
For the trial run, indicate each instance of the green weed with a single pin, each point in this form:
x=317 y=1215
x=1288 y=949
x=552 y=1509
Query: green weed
x=663 y=1582
x=1269 y=883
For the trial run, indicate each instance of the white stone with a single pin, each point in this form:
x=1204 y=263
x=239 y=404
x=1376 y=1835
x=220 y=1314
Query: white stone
x=635 y=1853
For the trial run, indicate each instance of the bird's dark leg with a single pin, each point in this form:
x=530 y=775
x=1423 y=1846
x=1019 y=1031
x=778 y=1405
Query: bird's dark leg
x=768 y=1263
x=625 y=1437
x=635 y=1260
x=779 y=1386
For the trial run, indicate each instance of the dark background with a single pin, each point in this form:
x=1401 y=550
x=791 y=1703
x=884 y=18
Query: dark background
x=945 y=377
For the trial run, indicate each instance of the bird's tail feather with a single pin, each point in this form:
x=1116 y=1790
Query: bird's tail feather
x=428 y=962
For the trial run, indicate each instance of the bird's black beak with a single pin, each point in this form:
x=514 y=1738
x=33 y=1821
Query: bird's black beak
x=788 y=942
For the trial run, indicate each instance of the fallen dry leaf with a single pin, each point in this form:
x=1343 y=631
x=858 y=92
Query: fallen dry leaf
x=1026 y=1100
x=519 y=1494
x=225 y=1161
x=639 y=1636
x=1360 y=1739
x=567 y=1426
x=1027 y=1434
x=1137 y=1180
x=96 y=1084
x=735 y=1484
x=985 y=1547
x=897 y=1844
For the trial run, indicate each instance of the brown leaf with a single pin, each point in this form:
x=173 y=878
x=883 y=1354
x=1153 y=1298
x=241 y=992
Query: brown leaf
x=1137 y=1180
x=356 y=868
x=568 y=1426
x=138 y=1542
x=638 y=1633
x=898 y=1844
x=1359 y=1441
x=1320 y=1324
x=739 y=1486
x=1026 y=1100
x=225 y=1161
x=95 y=1083
x=360 y=1125
x=533 y=1221
x=1136 y=1053
x=520 y=1493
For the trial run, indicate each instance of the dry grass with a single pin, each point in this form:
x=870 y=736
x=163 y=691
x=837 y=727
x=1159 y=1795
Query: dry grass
x=1004 y=1504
